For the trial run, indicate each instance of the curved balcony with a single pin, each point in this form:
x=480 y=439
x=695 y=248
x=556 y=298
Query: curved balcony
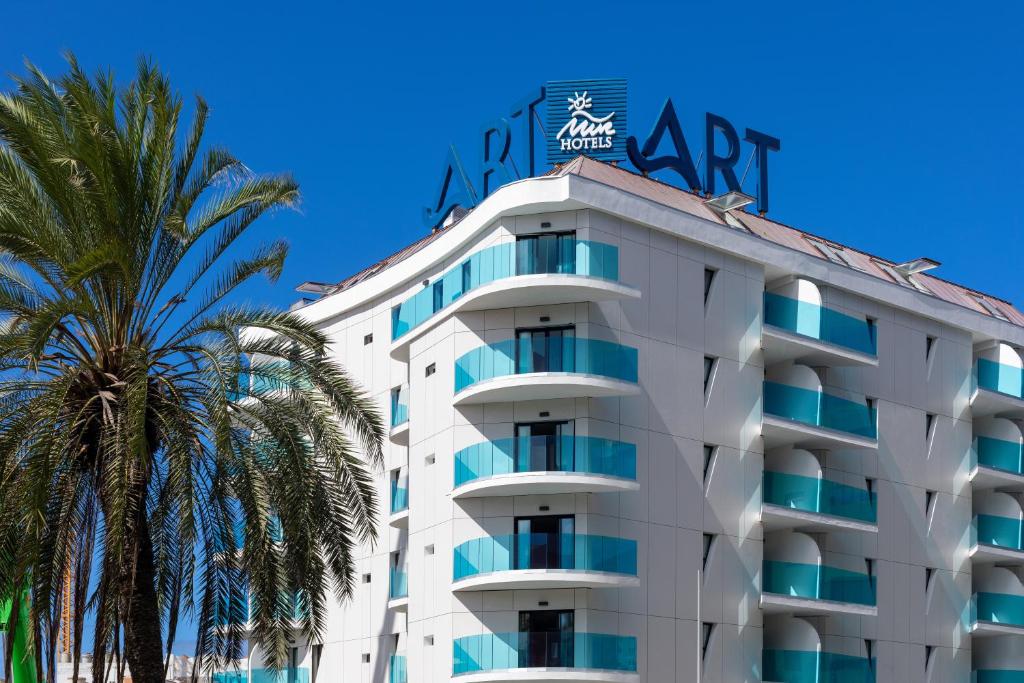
x=557 y=367
x=814 y=419
x=815 y=335
x=999 y=385
x=997 y=614
x=399 y=503
x=544 y=657
x=800 y=666
x=400 y=414
x=544 y=561
x=535 y=465
x=795 y=588
x=997 y=539
x=791 y=501
x=522 y=273
x=398 y=588
x=1000 y=464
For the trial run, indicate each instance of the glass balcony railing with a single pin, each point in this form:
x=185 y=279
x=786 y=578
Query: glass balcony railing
x=525 y=257
x=397 y=670
x=999 y=454
x=819 y=409
x=554 y=354
x=999 y=377
x=819 y=495
x=801 y=666
x=817 y=582
x=551 y=650
x=239 y=676
x=581 y=454
x=287 y=675
x=545 y=551
x=399 y=406
x=1000 y=608
x=399 y=497
x=818 y=322
x=997 y=676
x=1003 y=532
x=399 y=583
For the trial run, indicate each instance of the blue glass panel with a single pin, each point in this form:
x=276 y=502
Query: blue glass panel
x=570 y=354
x=817 y=582
x=1000 y=454
x=399 y=583
x=399 y=497
x=399 y=406
x=524 y=257
x=497 y=651
x=545 y=551
x=229 y=677
x=997 y=676
x=1004 y=532
x=819 y=409
x=1001 y=608
x=398 y=671
x=818 y=322
x=819 y=495
x=582 y=454
x=1006 y=379
x=800 y=666
x=287 y=675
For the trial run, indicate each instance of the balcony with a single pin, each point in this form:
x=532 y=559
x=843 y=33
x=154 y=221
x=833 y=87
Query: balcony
x=814 y=419
x=544 y=657
x=557 y=367
x=997 y=676
x=1000 y=464
x=535 y=465
x=399 y=503
x=791 y=501
x=999 y=390
x=239 y=676
x=289 y=675
x=398 y=588
x=798 y=666
x=793 y=588
x=997 y=614
x=815 y=335
x=522 y=273
x=997 y=539
x=400 y=414
x=398 y=672
x=545 y=561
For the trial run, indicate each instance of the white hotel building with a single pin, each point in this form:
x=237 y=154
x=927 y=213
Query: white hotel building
x=636 y=437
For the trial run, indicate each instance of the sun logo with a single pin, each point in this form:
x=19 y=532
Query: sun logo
x=579 y=102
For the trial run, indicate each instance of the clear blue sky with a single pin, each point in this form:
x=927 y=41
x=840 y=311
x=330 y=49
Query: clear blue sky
x=900 y=126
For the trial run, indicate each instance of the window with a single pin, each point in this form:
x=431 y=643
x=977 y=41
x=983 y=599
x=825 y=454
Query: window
x=929 y=574
x=428 y=640
x=368 y=339
x=833 y=252
x=467 y=276
x=901 y=279
x=929 y=346
x=709 y=541
x=367 y=578
x=709 y=277
x=709 y=455
x=550 y=253
x=929 y=503
x=707 y=629
x=545 y=349
x=929 y=425
x=366 y=658
x=709 y=365
x=430 y=370
x=990 y=307
x=438 y=295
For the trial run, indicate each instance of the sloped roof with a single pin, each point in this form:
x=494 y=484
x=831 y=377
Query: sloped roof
x=773 y=231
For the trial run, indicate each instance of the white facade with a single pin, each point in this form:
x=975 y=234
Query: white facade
x=722 y=555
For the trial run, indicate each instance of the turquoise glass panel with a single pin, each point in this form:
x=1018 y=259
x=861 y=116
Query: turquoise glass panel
x=800 y=666
x=288 y=675
x=568 y=256
x=818 y=322
x=582 y=454
x=819 y=495
x=999 y=454
x=819 y=409
x=1006 y=379
x=1001 y=608
x=229 y=677
x=500 y=651
x=399 y=497
x=398 y=587
x=399 y=406
x=817 y=582
x=571 y=354
x=398 y=672
x=237 y=612
x=1004 y=532
x=997 y=676
x=545 y=551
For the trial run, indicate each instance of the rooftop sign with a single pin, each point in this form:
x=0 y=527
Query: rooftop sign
x=589 y=117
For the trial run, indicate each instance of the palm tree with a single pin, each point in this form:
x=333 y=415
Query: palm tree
x=132 y=457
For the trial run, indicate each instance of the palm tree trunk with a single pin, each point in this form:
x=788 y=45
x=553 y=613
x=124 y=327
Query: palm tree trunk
x=143 y=645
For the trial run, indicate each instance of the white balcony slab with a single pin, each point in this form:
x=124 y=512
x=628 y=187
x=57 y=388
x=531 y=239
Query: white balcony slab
x=778 y=431
x=985 y=402
x=399 y=519
x=983 y=553
x=537 y=386
x=775 y=517
x=400 y=433
x=774 y=603
x=781 y=345
x=981 y=629
x=524 y=579
x=988 y=478
x=548 y=676
x=543 y=483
